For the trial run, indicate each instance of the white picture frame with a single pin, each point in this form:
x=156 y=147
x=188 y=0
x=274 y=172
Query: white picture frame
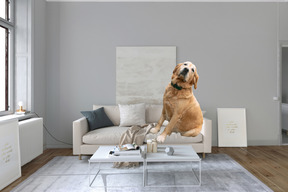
x=10 y=163
x=232 y=129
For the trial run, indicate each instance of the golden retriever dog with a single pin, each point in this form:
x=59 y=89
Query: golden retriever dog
x=180 y=107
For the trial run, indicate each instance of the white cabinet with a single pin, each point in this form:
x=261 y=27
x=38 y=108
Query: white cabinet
x=10 y=168
x=31 y=139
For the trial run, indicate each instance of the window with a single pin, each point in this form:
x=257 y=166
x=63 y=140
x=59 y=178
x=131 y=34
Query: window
x=5 y=9
x=6 y=48
x=3 y=69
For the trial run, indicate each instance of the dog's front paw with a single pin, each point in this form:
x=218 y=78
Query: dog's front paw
x=154 y=130
x=161 y=138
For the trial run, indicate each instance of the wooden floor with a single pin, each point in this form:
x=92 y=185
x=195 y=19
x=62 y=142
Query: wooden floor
x=37 y=163
x=269 y=164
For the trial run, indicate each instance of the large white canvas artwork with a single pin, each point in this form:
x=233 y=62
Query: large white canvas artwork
x=142 y=73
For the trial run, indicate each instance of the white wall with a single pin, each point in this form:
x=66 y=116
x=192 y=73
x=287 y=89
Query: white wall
x=234 y=46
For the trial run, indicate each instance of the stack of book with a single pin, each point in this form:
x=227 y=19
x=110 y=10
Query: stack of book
x=127 y=149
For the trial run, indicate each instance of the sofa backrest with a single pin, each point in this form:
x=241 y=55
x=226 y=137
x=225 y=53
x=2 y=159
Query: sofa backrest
x=153 y=113
x=112 y=111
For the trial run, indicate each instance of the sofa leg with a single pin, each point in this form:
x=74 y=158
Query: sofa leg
x=203 y=155
x=80 y=157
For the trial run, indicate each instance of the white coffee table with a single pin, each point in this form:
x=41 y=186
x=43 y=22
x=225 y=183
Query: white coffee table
x=182 y=153
x=102 y=156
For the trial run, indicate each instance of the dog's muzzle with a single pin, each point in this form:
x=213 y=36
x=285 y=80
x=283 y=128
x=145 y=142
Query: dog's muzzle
x=184 y=72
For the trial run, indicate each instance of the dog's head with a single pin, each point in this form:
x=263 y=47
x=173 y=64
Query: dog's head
x=185 y=75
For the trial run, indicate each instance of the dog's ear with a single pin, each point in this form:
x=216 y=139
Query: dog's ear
x=175 y=74
x=176 y=68
x=195 y=79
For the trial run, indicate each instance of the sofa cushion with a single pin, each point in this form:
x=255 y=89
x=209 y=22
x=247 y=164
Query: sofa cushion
x=112 y=112
x=105 y=136
x=112 y=135
x=132 y=114
x=97 y=119
x=153 y=113
x=176 y=138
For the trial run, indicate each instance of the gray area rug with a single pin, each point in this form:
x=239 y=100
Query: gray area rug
x=219 y=173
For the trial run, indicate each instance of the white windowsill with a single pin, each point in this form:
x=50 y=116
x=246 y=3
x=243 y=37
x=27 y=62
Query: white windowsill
x=19 y=117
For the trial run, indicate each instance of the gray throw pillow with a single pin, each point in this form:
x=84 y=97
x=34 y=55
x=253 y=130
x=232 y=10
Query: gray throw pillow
x=97 y=119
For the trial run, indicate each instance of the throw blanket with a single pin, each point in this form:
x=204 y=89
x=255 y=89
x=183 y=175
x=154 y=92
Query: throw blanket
x=135 y=134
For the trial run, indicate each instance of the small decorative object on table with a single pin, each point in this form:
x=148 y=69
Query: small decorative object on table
x=154 y=146
x=149 y=146
x=169 y=151
x=127 y=149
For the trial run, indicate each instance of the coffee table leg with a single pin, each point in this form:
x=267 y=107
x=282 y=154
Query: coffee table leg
x=144 y=173
x=200 y=171
x=89 y=173
x=93 y=178
x=104 y=176
x=90 y=183
x=199 y=174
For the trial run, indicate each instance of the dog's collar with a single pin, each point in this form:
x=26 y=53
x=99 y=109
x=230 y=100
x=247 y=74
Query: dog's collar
x=176 y=86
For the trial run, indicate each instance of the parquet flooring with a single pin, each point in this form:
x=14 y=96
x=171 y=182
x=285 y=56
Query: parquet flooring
x=36 y=164
x=268 y=163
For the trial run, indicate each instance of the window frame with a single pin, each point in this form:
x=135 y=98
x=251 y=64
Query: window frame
x=9 y=24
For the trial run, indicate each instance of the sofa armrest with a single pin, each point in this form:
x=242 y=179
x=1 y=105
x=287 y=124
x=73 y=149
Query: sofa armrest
x=80 y=128
x=207 y=135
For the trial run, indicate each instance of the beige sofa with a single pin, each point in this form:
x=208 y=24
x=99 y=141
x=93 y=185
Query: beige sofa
x=86 y=143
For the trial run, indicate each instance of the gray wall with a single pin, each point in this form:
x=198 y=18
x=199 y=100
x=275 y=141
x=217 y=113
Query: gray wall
x=39 y=61
x=283 y=17
x=233 y=45
x=284 y=75
x=39 y=57
x=30 y=52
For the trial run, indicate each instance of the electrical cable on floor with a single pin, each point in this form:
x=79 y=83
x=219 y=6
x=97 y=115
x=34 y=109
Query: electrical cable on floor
x=50 y=133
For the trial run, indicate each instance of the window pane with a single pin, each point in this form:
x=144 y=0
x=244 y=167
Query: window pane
x=2 y=69
x=3 y=9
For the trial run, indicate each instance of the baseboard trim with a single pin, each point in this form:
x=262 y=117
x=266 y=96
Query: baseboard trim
x=52 y=146
x=263 y=142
